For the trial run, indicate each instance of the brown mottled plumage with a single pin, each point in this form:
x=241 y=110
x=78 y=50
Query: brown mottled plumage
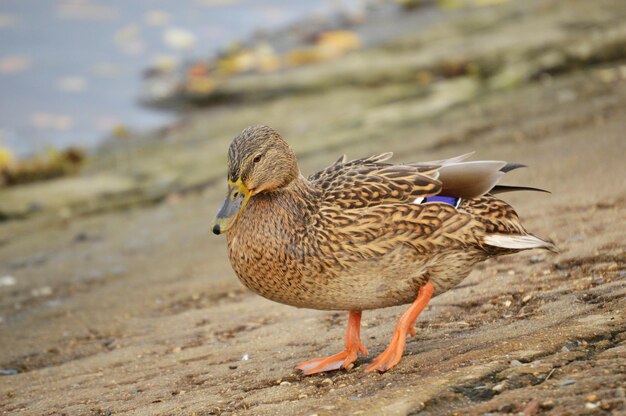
x=356 y=236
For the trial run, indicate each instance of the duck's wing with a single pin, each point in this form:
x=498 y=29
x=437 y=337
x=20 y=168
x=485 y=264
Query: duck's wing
x=370 y=181
x=374 y=232
x=343 y=166
x=371 y=208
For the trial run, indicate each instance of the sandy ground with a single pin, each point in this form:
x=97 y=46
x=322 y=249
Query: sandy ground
x=137 y=311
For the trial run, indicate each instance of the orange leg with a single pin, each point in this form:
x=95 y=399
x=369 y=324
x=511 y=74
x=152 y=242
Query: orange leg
x=391 y=356
x=343 y=359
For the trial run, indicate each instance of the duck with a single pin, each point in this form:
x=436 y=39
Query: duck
x=362 y=234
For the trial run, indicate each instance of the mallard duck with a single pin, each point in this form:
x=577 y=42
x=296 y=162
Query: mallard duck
x=361 y=234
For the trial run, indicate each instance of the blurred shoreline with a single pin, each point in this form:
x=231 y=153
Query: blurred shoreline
x=369 y=91
x=70 y=70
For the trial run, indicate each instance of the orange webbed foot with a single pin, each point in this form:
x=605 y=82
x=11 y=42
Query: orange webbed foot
x=344 y=359
x=392 y=355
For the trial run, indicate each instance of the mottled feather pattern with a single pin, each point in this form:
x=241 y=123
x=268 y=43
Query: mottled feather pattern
x=360 y=188
x=367 y=182
x=350 y=237
x=324 y=232
x=341 y=165
x=318 y=260
x=496 y=215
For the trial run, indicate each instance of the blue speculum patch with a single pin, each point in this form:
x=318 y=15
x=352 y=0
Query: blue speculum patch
x=445 y=199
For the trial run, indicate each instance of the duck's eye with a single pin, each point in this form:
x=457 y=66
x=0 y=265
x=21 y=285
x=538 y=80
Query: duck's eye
x=257 y=159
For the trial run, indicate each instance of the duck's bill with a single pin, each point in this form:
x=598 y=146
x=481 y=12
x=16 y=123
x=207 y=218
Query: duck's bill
x=234 y=203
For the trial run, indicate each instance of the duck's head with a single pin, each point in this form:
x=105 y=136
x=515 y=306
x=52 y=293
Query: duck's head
x=259 y=160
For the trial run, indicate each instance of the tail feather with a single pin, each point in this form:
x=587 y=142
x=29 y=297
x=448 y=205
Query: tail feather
x=519 y=242
x=470 y=179
x=512 y=166
x=463 y=179
x=500 y=189
x=444 y=162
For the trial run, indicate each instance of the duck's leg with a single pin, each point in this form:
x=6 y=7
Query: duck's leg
x=343 y=359
x=391 y=356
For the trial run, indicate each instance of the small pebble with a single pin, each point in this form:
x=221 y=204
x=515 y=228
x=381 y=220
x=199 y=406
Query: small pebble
x=7 y=281
x=591 y=398
x=327 y=381
x=8 y=372
x=548 y=404
x=567 y=383
x=107 y=342
x=41 y=291
x=507 y=303
x=498 y=387
x=516 y=363
x=574 y=238
x=527 y=298
x=285 y=383
x=591 y=406
x=245 y=357
x=567 y=95
x=232 y=367
x=302 y=396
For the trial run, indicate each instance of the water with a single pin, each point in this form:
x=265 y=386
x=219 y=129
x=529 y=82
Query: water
x=70 y=69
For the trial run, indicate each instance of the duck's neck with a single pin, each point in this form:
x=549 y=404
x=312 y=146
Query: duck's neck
x=288 y=208
x=300 y=186
x=295 y=200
